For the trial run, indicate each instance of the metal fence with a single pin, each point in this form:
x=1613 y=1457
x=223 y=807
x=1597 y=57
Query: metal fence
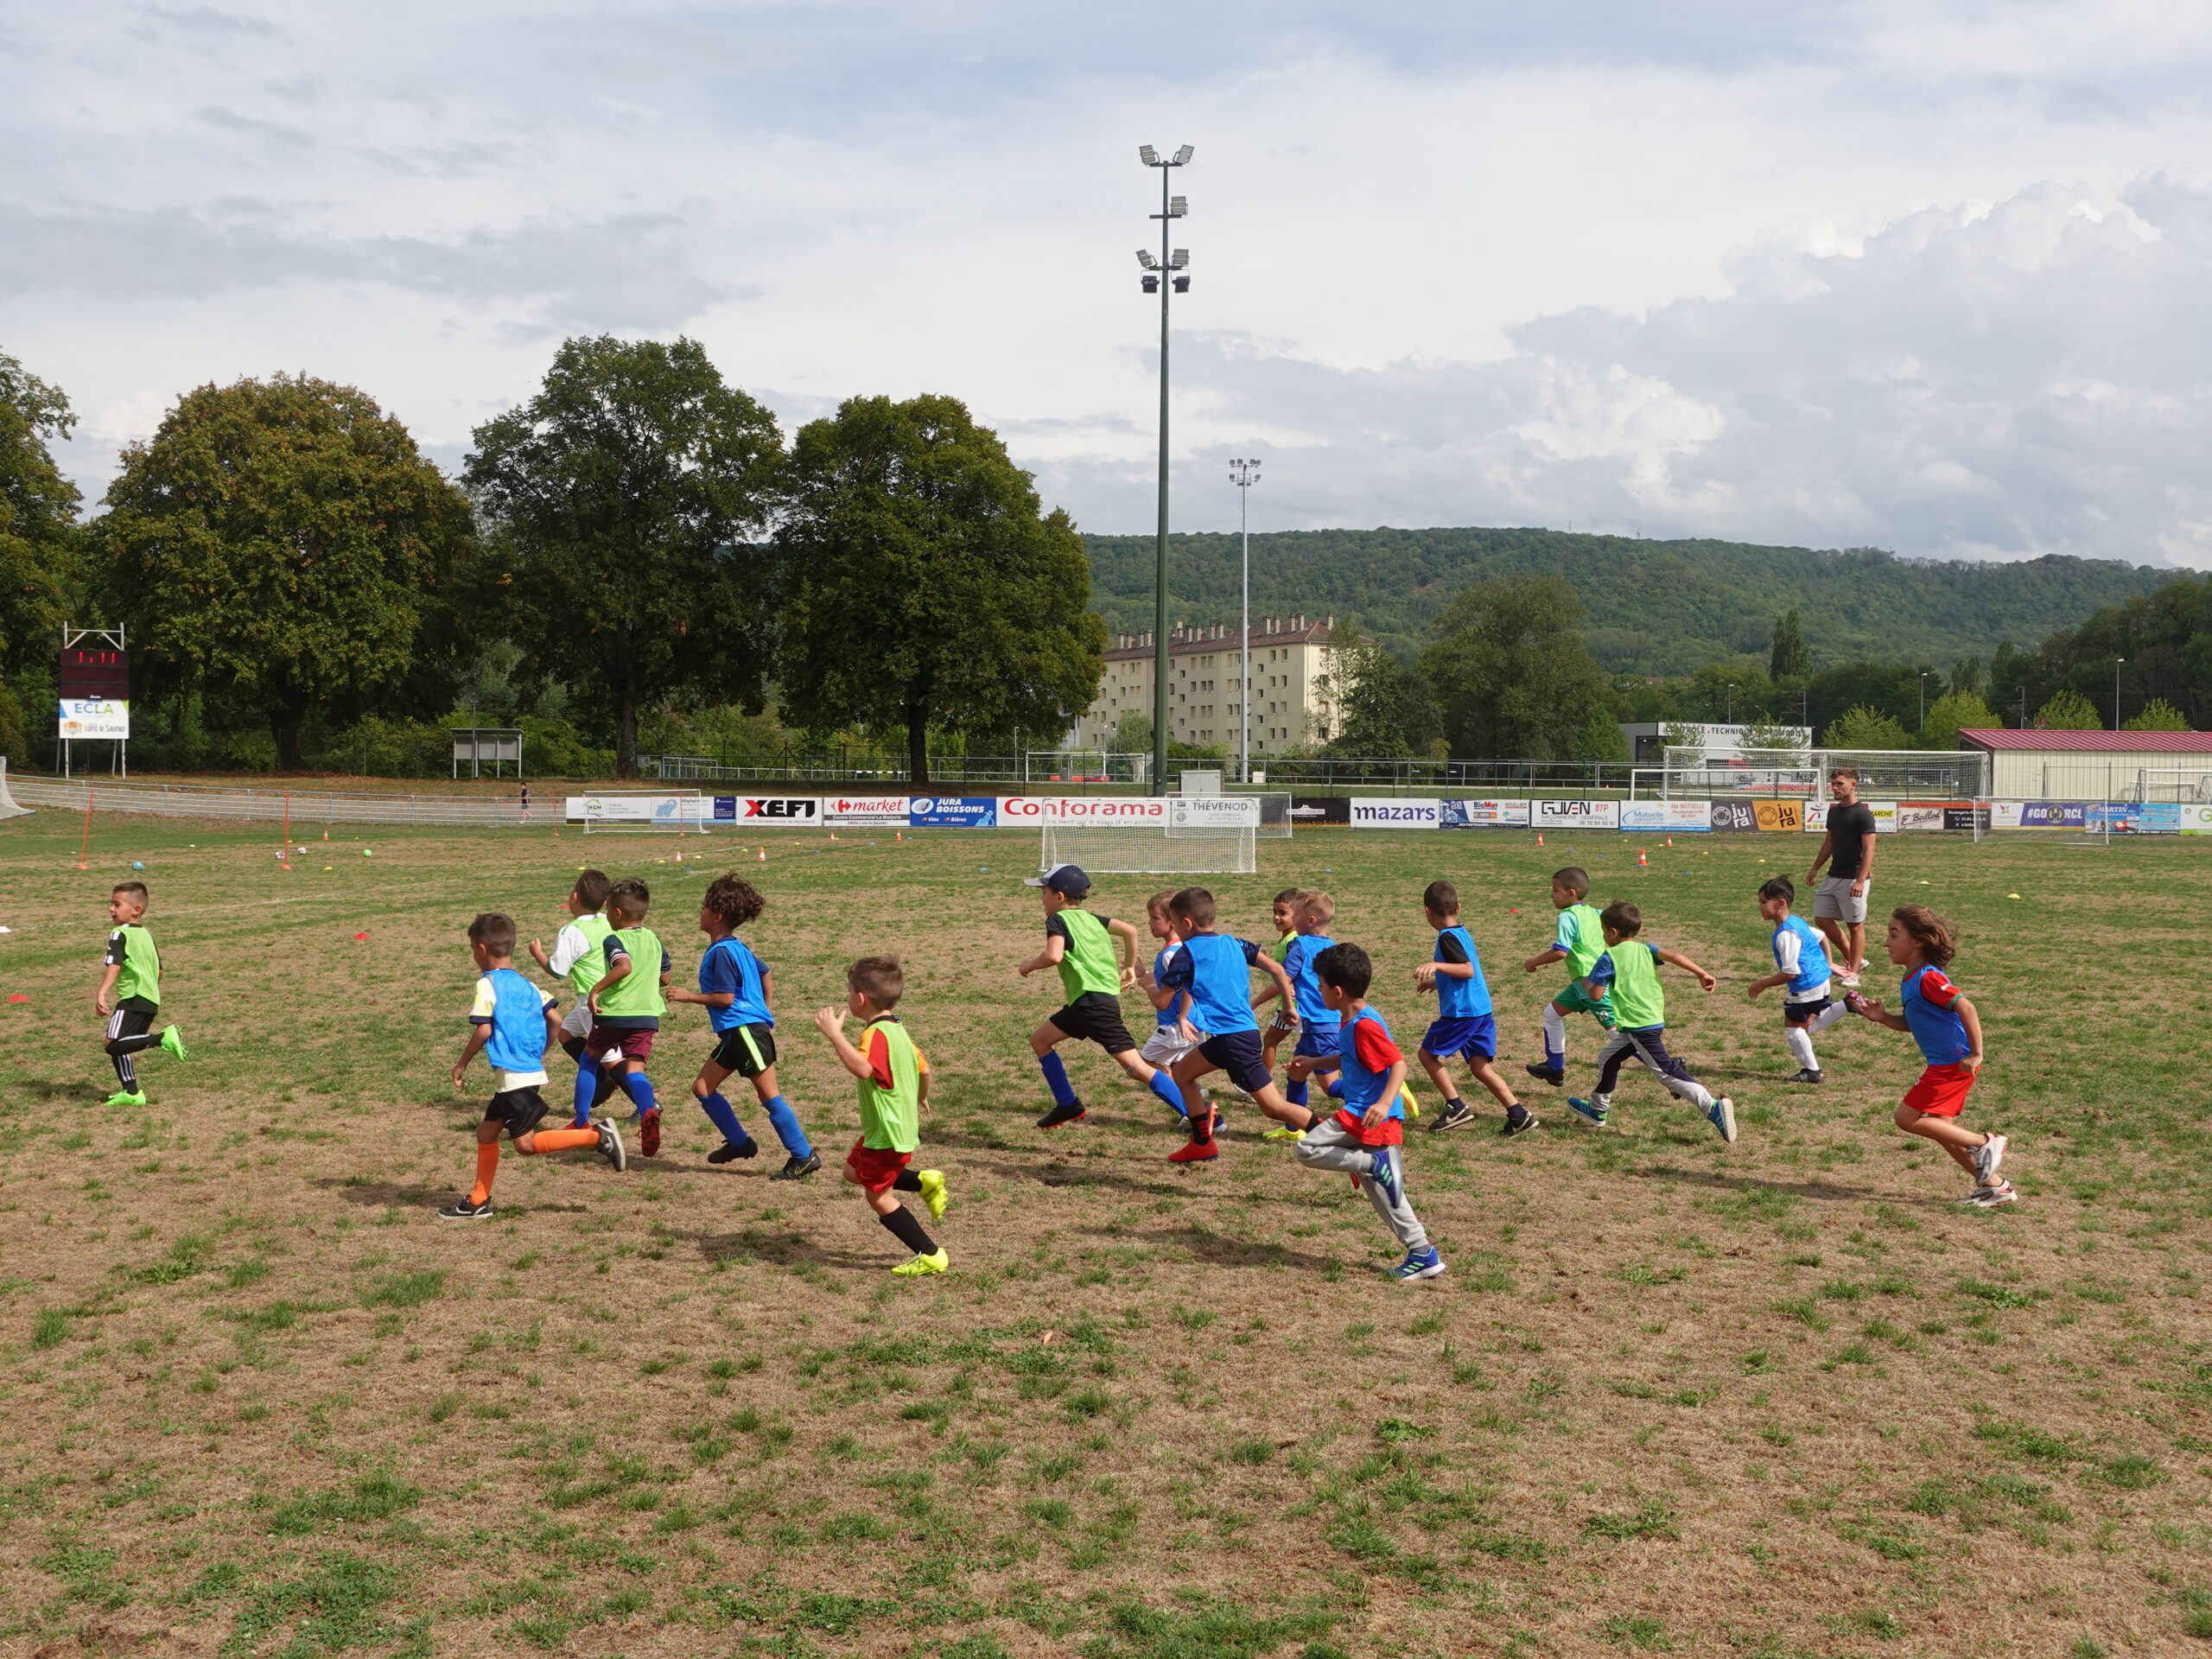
x=296 y=807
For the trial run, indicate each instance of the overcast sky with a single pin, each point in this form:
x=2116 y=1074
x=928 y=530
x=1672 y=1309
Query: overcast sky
x=1927 y=276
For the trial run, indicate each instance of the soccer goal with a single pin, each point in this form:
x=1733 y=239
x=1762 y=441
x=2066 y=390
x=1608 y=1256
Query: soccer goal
x=643 y=814
x=1961 y=775
x=1202 y=835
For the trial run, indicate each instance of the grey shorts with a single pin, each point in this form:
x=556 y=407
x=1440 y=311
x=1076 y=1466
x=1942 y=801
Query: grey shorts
x=1834 y=901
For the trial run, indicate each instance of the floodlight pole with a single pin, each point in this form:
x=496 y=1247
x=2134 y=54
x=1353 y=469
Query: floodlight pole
x=2116 y=662
x=1167 y=282
x=1245 y=474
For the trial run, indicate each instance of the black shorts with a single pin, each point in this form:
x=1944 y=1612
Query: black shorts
x=747 y=1050
x=1804 y=1013
x=133 y=1017
x=1237 y=1053
x=520 y=1109
x=1098 y=1018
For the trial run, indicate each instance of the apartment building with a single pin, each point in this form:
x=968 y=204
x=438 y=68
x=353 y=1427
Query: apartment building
x=1293 y=701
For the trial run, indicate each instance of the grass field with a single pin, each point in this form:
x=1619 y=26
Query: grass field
x=1781 y=1399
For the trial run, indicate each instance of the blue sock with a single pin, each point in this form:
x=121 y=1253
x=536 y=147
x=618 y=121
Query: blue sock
x=720 y=1112
x=1164 y=1086
x=1056 y=1078
x=787 y=1129
x=639 y=1088
x=587 y=1088
x=1295 y=1092
x=1334 y=1088
x=1555 y=1059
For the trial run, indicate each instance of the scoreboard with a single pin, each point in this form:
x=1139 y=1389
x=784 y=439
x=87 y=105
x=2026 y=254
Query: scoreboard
x=94 y=684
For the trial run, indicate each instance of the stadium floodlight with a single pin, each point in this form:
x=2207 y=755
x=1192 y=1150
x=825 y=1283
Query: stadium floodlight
x=1149 y=259
x=1176 y=260
x=1244 y=473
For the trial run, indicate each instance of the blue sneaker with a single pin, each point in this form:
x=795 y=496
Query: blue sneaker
x=1723 y=1118
x=1385 y=1176
x=1418 y=1264
x=1588 y=1110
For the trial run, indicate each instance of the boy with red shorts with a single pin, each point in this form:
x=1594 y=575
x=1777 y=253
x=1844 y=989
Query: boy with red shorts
x=894 y=1082
x=1948 y=1031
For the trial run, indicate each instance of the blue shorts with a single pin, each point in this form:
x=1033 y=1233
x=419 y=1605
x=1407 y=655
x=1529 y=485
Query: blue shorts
x=1237 y=1053
x=1317 y=1042
x=1473 y=1036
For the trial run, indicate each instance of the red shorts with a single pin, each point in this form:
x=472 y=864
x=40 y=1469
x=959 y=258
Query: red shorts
x=876 y=1168
x=636 y=1044
x=1941 y=1090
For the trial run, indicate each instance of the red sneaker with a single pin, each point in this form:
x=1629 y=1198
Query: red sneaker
x=649 y=1132
x=1194 y=1152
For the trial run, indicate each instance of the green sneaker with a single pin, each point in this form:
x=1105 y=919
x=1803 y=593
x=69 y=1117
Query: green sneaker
x=173 y=1043
x=124 y=1098
x=1286 y=1133
x=933 y=1192
x=922 y=1264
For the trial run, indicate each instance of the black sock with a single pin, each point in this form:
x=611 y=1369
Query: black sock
x=610 y=1082
x=906 y=1181
x=1455 y=1102
x=1516 y=1112
x=125 y=1073
x=573 y=1048
x=909 y=1232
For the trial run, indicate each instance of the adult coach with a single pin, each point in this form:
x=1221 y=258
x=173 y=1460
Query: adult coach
x=1840 y=902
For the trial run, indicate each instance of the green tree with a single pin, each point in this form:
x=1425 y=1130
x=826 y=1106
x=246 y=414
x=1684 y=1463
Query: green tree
x=922 y=584
x=623 y=494
x=38 y=537
x=1512 y=678
x=1789 y=657
x=2158 y=716
x=1132 y=734
x=1953 y=713
x=282 y=545
x=2069 y=711
x=1385 y=709
x=1864 y=727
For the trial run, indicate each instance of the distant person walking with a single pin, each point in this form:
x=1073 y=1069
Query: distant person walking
x=1840 y=902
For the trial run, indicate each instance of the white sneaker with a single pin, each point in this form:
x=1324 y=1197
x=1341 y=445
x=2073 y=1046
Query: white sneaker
x=1987 y=1157
x=1723 y=1118
x=1848 y=981
x=1988 y=1198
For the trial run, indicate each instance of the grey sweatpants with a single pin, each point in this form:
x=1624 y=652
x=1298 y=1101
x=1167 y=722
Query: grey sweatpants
x=1328 y=1145
x=1648 y=1045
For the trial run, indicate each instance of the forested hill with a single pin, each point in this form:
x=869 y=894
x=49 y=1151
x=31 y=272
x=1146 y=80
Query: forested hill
x=1654 y=608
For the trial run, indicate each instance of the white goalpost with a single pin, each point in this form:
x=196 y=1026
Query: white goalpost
x=1203 y=835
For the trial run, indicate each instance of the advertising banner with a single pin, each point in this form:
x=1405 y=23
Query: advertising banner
x=1886 y=816
x=99 y=717
x=886 y=811
x=1017 y=811
x=1965 y=818
x=768 y=812
x=1733 y=817
x=1674 y=817
x=1213 y=813
x=638 y=809
x=2193 y=819
x=1320 y=809
x=962 y=811
x=1576 y=815
x=1478 y=815
x=1920 y=815
x=2005 y=815
x=1780 y=815
x=2054 y=815
x=1391 y=814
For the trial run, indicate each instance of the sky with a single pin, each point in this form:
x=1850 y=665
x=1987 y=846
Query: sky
x=1928 y=276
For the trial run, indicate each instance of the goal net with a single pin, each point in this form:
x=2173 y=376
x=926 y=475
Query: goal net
x=2168 y=786
x=1151 y=850
x=643 y=814
x=1802 y=774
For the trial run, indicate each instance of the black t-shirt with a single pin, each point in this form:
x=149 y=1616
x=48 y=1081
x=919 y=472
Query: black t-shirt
x=1847 y=825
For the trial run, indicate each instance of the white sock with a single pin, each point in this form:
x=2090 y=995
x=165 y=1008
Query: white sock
x=1827 y=1017
x=1554 y=1032
x=1801 y=1045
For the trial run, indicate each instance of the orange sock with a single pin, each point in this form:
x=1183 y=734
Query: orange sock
x=487 y=1166
x=561 y=1140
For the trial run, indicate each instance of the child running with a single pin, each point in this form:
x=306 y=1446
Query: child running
x=1217 y=973
x=627 y=1002
x=1166 y=1044
x=129 y=993
x=1579 y=943
x=1801 y=962
x=578 y=958
x=1082 y=946
x=1286 y=1016
x=1948 y=1031
x=1315 y=1055
x=894 y=1085
x=511 y=1022
x=737 y=990
x=1465 y=1027
x=1627 y=969
x=1365 y=1137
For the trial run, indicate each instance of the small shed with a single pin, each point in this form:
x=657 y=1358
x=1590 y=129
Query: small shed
x=2094 y=766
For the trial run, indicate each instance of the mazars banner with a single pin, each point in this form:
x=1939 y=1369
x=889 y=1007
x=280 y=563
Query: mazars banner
x=1576 y=815
x=885 y=809
x=1393 y=814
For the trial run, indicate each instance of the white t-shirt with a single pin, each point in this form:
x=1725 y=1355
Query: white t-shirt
x=569 y=944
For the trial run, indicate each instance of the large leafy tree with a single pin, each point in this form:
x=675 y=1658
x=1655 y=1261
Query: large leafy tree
x=38 y=540
x=1789 y=657
x=624 y=497
x=1386 y=708
x=282 y=546
x=1512 y=677
x=922 y=585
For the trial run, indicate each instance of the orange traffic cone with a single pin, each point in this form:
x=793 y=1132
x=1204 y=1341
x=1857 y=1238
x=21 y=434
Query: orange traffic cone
x=762 y=855
x=1642 y=862
x=1671 y=840
x=1539 y=841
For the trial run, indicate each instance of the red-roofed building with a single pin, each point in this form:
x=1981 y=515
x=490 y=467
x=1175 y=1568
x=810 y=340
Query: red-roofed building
x=2034 y=765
